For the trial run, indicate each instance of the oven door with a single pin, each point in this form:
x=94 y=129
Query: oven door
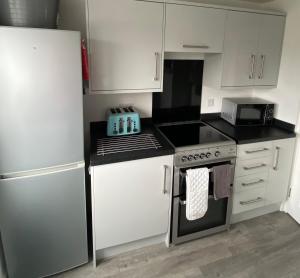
x=251 y=114
x=216 y=219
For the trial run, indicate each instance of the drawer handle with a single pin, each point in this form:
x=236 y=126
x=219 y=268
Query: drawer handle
x=247 y=168
x=252 y=183
x=257 y=200
x=257 y=151
x=195 y=46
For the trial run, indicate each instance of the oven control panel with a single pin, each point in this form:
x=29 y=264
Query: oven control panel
x=205 y=154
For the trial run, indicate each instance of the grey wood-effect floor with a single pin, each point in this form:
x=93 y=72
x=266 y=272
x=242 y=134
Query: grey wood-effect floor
x=267 y=246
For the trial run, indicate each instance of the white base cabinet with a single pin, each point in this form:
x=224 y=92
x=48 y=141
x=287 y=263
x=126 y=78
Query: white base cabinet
x=280 y=172
x=262 y=174
x=131 y=200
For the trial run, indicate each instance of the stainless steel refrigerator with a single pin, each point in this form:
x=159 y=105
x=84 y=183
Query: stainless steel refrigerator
x=42 y=185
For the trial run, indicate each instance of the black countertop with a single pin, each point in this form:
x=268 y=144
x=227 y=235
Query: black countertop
x=251 y=134
x=98 y=131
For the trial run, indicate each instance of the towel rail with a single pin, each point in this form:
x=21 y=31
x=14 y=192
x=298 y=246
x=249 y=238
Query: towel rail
x=183 y=202
x=183 y=175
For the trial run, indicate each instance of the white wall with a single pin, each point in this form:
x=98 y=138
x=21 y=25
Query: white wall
x=95 y=107
x=73 y=17
x=287 y=94
x=217 y=95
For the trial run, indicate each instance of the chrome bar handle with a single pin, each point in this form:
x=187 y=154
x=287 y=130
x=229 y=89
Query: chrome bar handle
x=252 y=183
x=254 y=167
x=262 y=67
x=257 y=151
x=165 y=191
x=195 y=46
x=156 y=77
x=276 y=158
x=253 y=57
x=250 y=202
x=183 y=203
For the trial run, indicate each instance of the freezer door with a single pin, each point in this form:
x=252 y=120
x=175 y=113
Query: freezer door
x=41 y=118
x=43 y=223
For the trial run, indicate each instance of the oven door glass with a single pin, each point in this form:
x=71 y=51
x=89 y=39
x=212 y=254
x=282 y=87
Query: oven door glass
x=214 y=217
x=250 y=114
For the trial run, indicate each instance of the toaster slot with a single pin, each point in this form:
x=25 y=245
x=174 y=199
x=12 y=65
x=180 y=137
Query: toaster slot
x=121 y=125
x=129 y=124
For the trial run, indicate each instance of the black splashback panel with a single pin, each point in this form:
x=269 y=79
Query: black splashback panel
x=181 y=97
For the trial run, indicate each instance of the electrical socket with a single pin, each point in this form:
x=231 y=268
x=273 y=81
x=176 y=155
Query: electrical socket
x=211 y=102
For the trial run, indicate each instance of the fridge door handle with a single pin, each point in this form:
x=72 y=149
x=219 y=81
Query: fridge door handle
x=43 y=171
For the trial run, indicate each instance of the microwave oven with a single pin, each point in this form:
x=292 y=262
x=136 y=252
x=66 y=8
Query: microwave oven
x=247 y=111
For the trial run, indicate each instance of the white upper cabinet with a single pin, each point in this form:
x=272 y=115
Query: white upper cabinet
x=252 y=49
x=269 y=50
x=125 y=45
x=241 y=42
x=194 y=29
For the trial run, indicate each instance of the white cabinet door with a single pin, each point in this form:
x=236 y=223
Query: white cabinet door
x=125 y=45
x=129 y=200
x=240 y=48
x=269 y=50
x=194 y=29
x=283 y=152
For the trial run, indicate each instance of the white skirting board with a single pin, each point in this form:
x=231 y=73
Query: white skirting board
x=119 y=249
x=254 y=213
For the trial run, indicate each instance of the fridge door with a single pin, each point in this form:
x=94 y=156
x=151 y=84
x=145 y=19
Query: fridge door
x=41 y=117
x=43 y=223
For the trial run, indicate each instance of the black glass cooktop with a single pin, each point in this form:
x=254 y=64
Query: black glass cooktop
x=190 y=134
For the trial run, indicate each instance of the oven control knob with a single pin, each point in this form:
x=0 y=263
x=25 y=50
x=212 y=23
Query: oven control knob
x=190 y=158
x=202 y=155
x=184 y=159
x=196 y=156
x=208 y=155
x=217 y=153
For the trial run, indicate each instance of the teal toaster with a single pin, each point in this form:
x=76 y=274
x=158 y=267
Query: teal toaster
x=123 y=121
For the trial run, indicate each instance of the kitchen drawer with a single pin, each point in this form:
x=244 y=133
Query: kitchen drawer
x=252 y=166
x=255 y=150
x=248 y=200
x=250 y=182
